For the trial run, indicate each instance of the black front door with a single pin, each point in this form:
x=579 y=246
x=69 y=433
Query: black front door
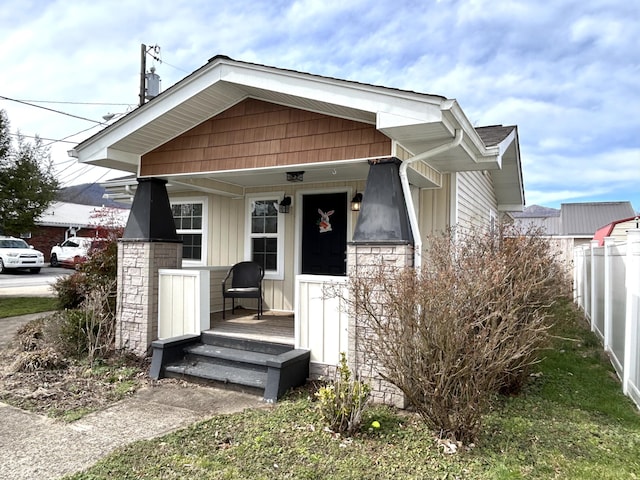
x=324 y=234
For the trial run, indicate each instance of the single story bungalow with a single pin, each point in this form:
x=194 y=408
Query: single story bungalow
x=306 y=175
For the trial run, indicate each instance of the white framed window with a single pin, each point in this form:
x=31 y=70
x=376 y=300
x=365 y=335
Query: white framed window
x=264 y=243
x=190 y=217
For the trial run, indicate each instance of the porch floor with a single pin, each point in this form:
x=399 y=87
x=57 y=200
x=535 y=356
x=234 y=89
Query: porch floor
x=275 y=327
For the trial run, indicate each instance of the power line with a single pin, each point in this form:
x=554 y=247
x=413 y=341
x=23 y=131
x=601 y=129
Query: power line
x=52 y=140
x=76 y=103
x=50 y=109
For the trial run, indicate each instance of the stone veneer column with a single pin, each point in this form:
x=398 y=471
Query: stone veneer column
x=362 y=258
x=137 y=296
x=148 y=244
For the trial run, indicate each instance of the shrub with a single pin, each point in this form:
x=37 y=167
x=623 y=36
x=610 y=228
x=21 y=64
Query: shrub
x=46 y=358
x=468 y=325
x=343 y=400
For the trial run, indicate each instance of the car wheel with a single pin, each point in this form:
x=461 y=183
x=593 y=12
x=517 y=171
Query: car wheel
x=35 y=270
x=54 y=260
x=2 y=269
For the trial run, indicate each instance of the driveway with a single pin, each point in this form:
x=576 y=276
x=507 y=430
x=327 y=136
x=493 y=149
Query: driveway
x=27 y=284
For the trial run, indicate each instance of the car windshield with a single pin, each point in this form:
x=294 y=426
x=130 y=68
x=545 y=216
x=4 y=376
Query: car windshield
x=13 y=243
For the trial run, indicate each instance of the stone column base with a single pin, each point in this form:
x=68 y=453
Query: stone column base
x=137 y=297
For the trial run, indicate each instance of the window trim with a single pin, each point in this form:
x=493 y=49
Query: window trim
x=204 y=231
x=278 y=274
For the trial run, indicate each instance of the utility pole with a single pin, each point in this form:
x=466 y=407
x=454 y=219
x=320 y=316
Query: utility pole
x=143 y=69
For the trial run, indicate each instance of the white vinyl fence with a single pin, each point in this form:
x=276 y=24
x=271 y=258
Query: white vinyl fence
x=606 y=284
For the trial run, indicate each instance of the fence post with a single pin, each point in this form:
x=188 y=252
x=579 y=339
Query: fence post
x=609 y=242
x=594 y=284
x=633 y=307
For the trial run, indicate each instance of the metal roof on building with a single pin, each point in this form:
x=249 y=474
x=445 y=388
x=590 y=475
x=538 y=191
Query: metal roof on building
x=583 y=219
x=62 y=214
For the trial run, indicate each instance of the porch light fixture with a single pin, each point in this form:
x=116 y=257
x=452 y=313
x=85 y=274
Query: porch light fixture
x=295 y=176
x=356 y=202
x=285 y=205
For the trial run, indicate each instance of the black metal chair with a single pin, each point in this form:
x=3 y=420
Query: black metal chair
x=246 y=282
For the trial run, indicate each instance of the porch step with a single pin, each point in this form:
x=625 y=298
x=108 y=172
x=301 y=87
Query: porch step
x=271 y=367
x=238 y=343
x=236 y=375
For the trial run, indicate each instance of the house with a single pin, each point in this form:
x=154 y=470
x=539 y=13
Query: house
x=307 y=175
x=62 y=220
x=574 y=224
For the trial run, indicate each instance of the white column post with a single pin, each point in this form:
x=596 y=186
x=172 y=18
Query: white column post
x=594 y=284
x=633 y=306
x=609 y=242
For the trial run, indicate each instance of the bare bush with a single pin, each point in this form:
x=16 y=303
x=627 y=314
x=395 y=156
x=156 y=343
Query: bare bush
x=465 y=327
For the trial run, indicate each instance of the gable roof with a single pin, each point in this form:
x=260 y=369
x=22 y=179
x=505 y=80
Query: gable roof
x=583 y=219
x=417 y=121
x=575 y=219
x=63 y=214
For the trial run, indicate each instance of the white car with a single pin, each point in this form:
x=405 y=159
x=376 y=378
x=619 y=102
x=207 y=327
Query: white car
x=16 y=253
x=71 y=252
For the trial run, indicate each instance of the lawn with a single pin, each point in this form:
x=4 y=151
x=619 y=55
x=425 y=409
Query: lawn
x=571 y=422
x=15 y=306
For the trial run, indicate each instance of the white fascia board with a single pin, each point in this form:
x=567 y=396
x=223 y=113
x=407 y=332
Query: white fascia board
x=516 y=207
x=146 y=113
x=452 y=110
x=416 y=108
x=102 y=154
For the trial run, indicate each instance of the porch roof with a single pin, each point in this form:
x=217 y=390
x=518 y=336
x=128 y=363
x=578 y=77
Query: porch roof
x=418 y=122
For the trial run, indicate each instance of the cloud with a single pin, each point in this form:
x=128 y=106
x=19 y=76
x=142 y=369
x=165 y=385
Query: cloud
x=566 y=73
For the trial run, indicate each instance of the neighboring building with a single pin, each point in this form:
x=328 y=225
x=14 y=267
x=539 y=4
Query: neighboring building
x=574 y=224
x=63 y=220
x=240 y=161
x=617 y=230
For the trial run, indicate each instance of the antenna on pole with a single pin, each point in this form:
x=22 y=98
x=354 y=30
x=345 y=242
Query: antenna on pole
x=149 y=82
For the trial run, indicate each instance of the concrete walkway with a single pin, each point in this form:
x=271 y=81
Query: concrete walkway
x=34 y=446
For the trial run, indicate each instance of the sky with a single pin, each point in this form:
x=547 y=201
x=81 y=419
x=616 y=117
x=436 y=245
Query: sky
x=566 y=72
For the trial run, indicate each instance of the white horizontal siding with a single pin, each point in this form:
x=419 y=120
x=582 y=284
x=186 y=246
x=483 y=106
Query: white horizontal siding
x=476 y=198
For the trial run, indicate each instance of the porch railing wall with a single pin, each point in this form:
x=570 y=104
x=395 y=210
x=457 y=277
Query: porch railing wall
x=321 y=320
x=607 y=288
x=183 y=302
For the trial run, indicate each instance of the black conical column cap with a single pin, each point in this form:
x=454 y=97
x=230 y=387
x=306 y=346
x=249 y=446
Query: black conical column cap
x=150 y=219
x=383 y=217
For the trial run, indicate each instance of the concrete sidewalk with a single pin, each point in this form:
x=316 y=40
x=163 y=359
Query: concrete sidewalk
x=34 y=446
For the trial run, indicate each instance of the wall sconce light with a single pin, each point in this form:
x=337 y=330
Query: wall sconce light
x=356 y=202
x=285 y=205
x=294 y=176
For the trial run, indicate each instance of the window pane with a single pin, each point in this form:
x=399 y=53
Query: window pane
x=257 y=225
x=271 y=225
x=191 y=246
x=271 y=262
x=271 y=245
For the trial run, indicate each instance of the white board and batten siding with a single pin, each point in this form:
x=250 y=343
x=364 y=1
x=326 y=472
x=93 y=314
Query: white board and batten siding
x=321 y=320
x=183 y=302
x=476 y=201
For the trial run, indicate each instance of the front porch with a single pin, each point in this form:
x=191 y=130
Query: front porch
x=276 y=327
